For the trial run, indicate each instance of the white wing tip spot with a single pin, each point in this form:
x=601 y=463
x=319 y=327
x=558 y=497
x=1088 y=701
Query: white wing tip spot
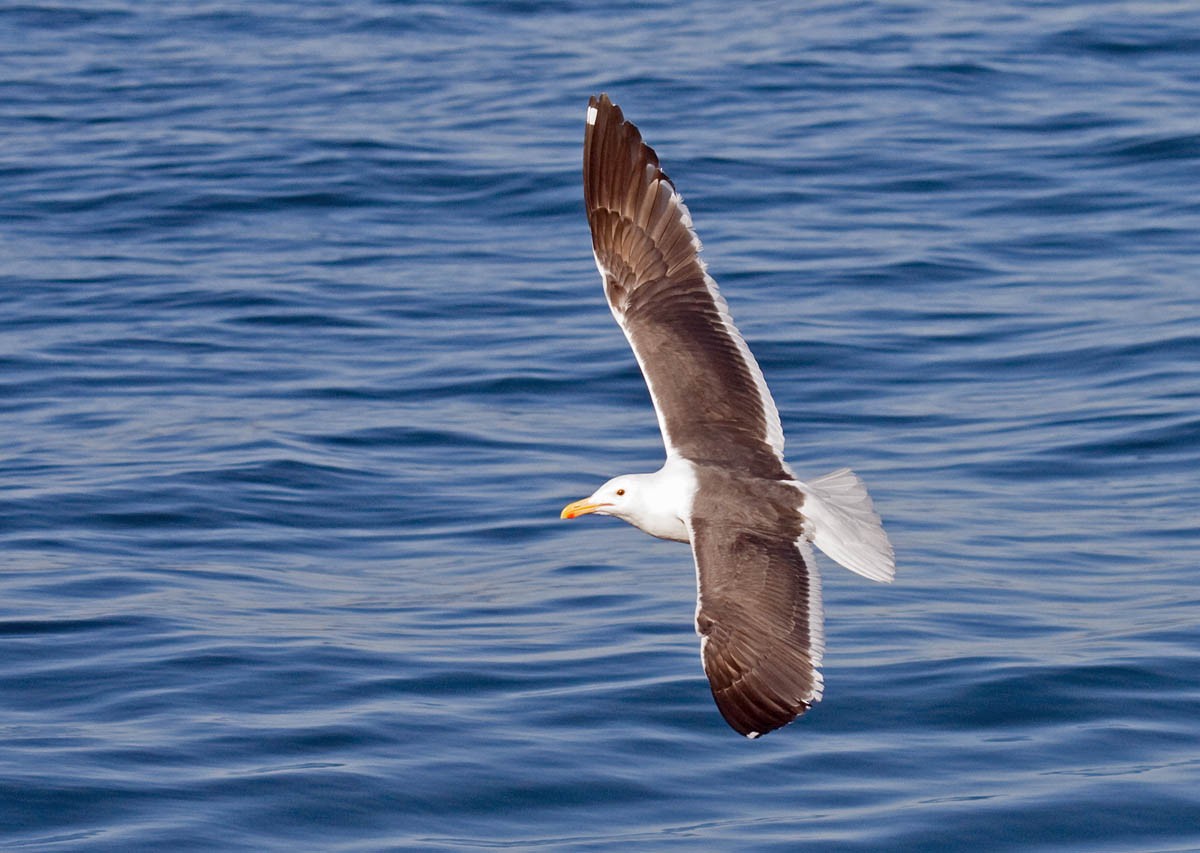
x=591 y=115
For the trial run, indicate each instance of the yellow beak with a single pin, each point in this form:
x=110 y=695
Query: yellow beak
x=578 y=508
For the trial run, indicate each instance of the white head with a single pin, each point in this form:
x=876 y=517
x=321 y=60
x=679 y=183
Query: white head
x=618 y=497
x=656 y=503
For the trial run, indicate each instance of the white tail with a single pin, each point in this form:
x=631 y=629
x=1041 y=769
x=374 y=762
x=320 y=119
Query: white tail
x=846 y=527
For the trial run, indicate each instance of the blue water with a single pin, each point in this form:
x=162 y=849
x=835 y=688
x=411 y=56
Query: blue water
x=302 y=349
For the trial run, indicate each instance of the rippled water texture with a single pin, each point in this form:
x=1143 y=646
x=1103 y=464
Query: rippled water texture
x=302 y=349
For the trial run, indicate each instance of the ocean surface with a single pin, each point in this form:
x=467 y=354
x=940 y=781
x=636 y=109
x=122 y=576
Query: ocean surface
x=302 y=349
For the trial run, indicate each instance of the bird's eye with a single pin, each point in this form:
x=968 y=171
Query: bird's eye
x=620 y=492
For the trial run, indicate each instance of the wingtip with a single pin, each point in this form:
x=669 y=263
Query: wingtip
x=753 y=707
x=602 y=103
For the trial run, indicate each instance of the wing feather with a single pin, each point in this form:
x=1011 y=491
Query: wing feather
x=760 y=621
x=712 y=402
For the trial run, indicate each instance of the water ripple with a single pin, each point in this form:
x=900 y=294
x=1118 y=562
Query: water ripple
x=302 y=351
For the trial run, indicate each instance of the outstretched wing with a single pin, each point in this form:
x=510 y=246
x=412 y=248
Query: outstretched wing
x=759 y=617
x=712 y=402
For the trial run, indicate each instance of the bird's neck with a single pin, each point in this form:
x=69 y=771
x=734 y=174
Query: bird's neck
x=666 y=501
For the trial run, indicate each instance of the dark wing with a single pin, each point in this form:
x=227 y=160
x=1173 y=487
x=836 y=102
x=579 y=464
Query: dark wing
x=712 y=403
x=760 y=625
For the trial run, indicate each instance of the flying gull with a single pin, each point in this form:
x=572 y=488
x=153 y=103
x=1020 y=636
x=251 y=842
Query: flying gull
x=725 y=487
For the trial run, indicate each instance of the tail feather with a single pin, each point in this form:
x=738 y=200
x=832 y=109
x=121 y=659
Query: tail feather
x=846 y=526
